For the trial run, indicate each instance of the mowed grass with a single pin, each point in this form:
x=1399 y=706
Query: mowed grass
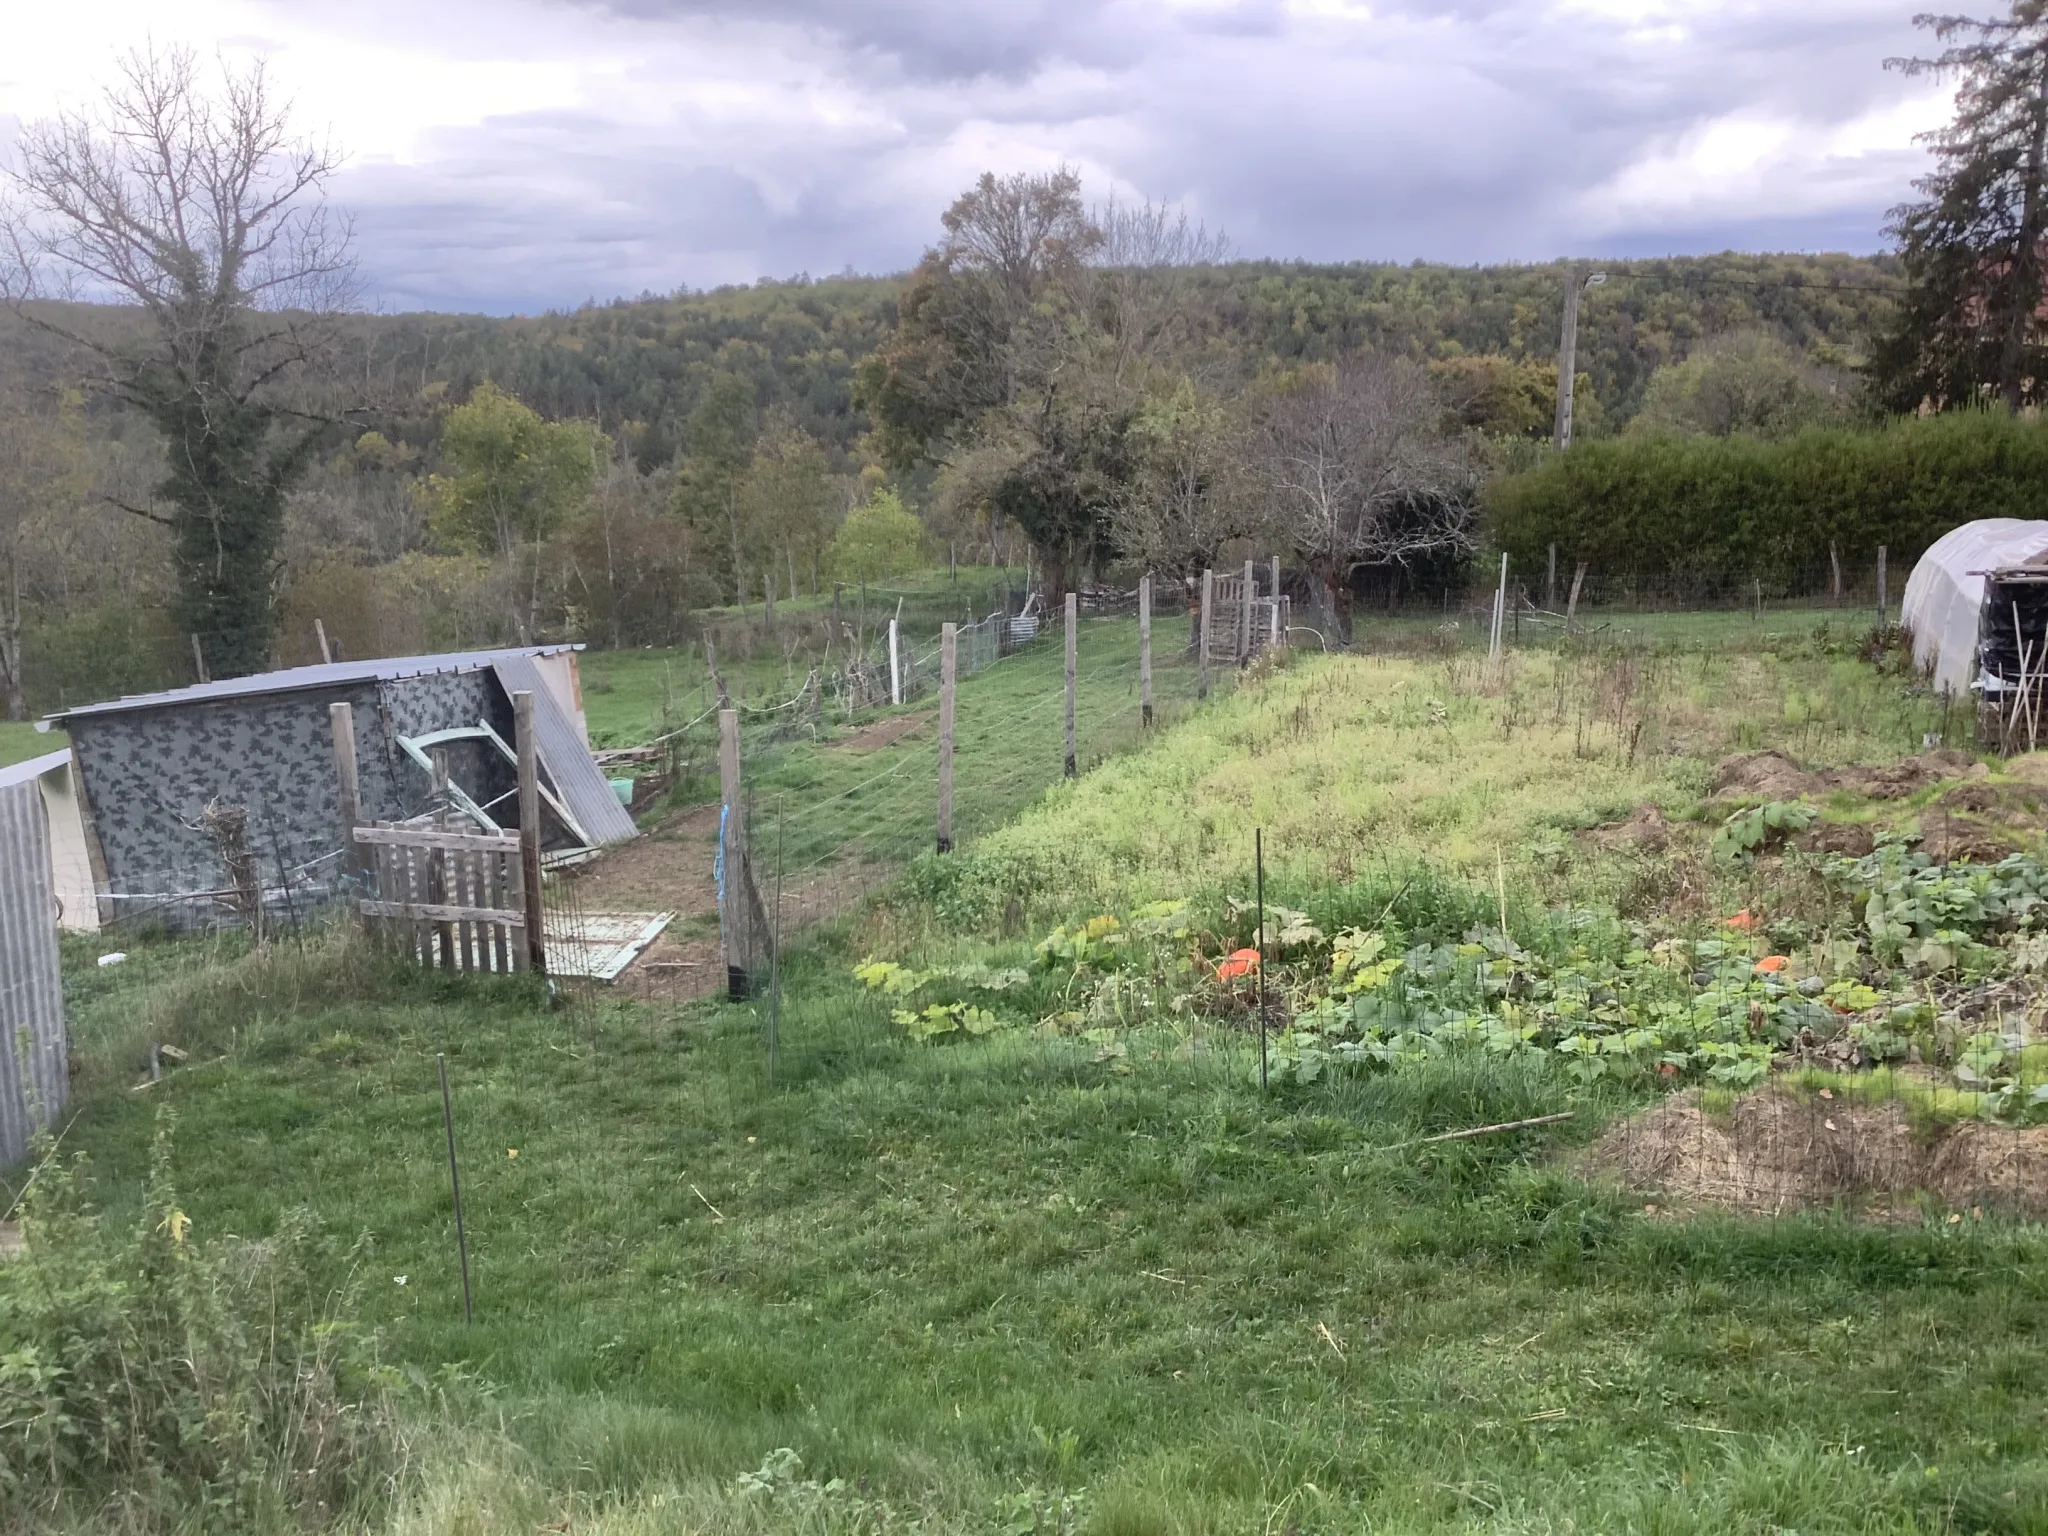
x=958 y=1275
x=978 y=1279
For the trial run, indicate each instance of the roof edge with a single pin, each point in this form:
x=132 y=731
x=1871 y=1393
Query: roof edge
x=304 y=679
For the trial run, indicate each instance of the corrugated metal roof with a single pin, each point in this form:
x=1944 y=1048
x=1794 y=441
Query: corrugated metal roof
x=32 y=1081
x=297 y=679
x=567 y=761
x=34 y=768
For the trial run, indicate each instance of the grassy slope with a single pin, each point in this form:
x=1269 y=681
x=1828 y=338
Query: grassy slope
x=972 y=1270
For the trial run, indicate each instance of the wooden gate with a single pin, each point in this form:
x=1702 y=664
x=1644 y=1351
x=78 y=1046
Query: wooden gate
x=1242 y=626
x=455 y=899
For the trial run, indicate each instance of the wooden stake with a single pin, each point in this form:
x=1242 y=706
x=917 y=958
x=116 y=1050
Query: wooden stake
x=949 y=640
x=895 y=667
x=455 y=1185
x=199 y=661
x=1207 y=625
x=732 y=895
x=348 y=800
x=1244 y=613
x=1834 y=571
x=1550 y=581
x=527 y=751
x=1073 y=653
x=1500 y=606
x=320 y=634
x=437 y=864
x=1145 y=650
x=717 y=678
x=1274 y=637
x=1883 y=602
x=1571 y=607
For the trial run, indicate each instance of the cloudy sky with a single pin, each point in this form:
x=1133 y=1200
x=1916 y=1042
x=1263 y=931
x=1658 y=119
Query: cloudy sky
x=515 y=155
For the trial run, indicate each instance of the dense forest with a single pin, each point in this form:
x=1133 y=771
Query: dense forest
x=641 y=366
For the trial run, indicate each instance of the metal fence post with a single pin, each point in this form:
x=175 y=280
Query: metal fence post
x=1145 y=649
x=1073 y=627
x=948 y=674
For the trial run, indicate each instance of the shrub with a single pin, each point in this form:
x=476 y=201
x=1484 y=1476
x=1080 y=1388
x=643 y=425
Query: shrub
x=151 y=1380
x=1693 y=512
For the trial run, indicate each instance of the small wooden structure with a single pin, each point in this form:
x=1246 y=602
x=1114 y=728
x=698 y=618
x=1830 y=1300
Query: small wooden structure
x=1237 y=624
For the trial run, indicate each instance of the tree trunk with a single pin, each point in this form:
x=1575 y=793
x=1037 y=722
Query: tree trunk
x=2026 y=281
x=1054 y=563
x=10 y=665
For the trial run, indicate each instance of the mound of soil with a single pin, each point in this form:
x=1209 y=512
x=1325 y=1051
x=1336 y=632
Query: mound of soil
x=1774 y=776
x=1644 y=830
x=1774 y=1151
x=1852 y=838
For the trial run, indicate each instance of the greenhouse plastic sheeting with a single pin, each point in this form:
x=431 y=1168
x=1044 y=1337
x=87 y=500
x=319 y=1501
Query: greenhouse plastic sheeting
x=1945 y=594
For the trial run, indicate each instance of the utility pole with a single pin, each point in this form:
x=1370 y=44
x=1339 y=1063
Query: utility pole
x=1575 y=283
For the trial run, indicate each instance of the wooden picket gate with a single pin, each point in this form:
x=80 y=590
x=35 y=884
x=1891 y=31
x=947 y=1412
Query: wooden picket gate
x=1234 y=636
x=456 y=899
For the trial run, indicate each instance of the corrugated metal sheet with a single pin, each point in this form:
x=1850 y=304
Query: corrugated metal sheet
x=34 y=768
x=388 y=669
x=33 y=1064
x=565 y=759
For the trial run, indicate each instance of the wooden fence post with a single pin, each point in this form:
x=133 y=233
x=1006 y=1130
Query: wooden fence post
x=348 y=802
x=1571 y=607
x=949 y=642
x=1073 y=653
x=1244 y=613
x=732 y=895
x=1883 y=598
x=1202 y=641
x=1145 y=650
x=527 y=751
x=1500 y=615
x=1550 y=581
x=895 y=667
x=1834 y=572
x=1274 y=638
x=199 y=661
x=320 y=634
x=438 y=892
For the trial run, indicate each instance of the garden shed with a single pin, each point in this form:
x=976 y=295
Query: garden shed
x=159 y=770
x=1977 y=595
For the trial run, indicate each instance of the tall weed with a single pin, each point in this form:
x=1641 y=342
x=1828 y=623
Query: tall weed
x=154 y=1381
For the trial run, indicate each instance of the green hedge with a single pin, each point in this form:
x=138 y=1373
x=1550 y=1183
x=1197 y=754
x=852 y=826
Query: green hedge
x=1704 y=513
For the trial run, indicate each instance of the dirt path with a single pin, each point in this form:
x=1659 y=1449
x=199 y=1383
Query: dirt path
x=667 y=870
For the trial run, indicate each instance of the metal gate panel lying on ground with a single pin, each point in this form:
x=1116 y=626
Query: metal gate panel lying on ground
x=600 y=945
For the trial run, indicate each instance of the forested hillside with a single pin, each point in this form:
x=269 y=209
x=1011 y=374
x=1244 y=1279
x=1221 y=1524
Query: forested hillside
x=647 y=362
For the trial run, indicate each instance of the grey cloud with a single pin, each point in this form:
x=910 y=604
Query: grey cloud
x=1461 y=130
x=941 y=39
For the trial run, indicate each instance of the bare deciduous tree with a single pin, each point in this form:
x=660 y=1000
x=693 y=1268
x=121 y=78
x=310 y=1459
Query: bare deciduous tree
x=1362 y=473
x=202 y=211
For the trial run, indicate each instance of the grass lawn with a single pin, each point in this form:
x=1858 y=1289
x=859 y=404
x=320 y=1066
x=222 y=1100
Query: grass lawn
x=20 y=741
x=1031 y=1283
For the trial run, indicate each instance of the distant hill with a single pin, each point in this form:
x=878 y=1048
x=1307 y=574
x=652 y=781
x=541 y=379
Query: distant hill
x=639 y=366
